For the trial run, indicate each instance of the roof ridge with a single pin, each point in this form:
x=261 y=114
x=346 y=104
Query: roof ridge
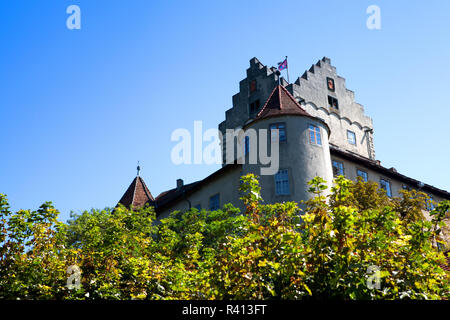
x=279 y=95
x=134 y=189
x=292 y=98
x=267 y=101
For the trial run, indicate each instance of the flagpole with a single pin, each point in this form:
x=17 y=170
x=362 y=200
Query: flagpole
x=287 y=69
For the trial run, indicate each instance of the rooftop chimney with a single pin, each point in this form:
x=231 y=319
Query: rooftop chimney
x=179 y=183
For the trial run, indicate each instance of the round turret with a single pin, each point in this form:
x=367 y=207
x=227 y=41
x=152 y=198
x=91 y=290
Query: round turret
x=303 y=151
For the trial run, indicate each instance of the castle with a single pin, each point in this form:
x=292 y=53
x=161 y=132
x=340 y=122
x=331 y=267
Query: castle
x=321 y=131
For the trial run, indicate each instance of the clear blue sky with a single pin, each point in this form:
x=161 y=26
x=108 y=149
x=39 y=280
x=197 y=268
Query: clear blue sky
x=78 y=108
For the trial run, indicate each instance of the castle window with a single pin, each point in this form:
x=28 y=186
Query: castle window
x=254 y=106
x=406 y=187
x=246 y=145
x=214 y=202
x=333 y=102
x=351 y=137
x=386 y=185
x=252 y=86
x=362 y=174
x=314 y=135
x=338 y=168
x=282 y=182
x=281 y=131
x=330 y=84
x=430 y=203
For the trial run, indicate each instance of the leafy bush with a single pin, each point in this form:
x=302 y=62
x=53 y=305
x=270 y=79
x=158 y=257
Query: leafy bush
x=356 y=244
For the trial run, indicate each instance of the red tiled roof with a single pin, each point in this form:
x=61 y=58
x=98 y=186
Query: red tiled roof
x=166 y=197
x=281 y=102
x=137 y=194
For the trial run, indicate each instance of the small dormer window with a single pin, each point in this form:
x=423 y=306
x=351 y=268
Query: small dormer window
x=252 y=86
x=333 y=102
x=330 y=84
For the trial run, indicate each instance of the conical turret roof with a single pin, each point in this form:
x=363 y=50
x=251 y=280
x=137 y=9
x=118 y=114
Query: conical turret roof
x=281 y=102
x=137 y=194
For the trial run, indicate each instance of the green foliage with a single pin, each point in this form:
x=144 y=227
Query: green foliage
x=272 y=251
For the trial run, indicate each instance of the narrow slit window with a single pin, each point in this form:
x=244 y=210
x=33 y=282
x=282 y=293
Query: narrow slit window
x=246 y=145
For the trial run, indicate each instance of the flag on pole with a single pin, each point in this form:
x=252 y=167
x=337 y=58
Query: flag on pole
x=282 y=65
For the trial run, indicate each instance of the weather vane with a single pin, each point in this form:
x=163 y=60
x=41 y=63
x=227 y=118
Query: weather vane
x=138 y=169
